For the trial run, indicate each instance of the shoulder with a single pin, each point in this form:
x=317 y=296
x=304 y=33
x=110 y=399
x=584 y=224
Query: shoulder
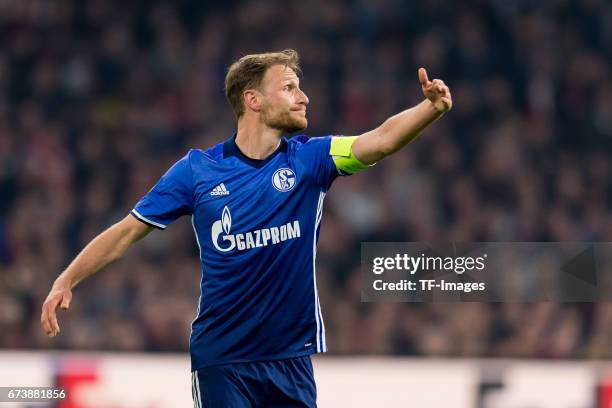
x=195 y=159
x=303 y=139
x=307 y=143
x=298 y=140
x=201 y=156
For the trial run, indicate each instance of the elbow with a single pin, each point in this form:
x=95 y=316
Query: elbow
x=374 y=145
x=123 y=236
x=386 y=145
x=116 y=253
x=386 y=148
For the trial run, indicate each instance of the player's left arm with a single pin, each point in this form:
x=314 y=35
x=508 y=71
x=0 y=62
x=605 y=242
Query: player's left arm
x=398 y=130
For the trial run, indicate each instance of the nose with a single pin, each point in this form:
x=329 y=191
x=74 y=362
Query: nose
x=302 y=98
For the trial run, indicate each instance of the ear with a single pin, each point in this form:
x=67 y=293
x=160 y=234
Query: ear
x=252 y=99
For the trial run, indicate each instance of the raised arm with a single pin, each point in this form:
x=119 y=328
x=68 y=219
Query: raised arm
x=101 y=251
x=398 y=130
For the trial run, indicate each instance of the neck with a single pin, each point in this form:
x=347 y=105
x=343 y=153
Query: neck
x=256 y=140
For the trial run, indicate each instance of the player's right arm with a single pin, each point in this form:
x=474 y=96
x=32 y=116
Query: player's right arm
x=107 y=247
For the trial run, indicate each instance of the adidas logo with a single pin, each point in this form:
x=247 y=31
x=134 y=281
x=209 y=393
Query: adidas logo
x=219 y=190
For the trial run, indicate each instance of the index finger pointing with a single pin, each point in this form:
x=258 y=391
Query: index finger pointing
x=423 y=77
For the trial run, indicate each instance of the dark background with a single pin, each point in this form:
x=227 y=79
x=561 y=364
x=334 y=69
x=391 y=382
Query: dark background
x=99 y=98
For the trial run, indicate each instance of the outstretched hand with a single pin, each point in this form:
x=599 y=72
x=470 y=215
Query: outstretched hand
x=59 y=296
x=436 y=91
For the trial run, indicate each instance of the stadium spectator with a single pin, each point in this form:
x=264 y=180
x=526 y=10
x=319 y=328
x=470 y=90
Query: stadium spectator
x=98 y=98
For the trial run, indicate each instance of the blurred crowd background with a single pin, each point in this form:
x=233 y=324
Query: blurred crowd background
x=98 y=98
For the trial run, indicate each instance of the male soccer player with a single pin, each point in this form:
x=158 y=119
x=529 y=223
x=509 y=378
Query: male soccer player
x=255 y=202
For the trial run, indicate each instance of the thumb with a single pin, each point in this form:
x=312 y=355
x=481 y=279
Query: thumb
x=423 y=77
x=66 y=298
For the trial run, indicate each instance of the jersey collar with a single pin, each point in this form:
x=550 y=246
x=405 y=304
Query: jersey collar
x=230 y=148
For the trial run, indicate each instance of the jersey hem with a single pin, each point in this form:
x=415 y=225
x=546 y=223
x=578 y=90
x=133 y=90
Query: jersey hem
x=255 y=360
x=146 y=221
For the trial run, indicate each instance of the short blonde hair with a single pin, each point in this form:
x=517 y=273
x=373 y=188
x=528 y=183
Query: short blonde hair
x=248 y=72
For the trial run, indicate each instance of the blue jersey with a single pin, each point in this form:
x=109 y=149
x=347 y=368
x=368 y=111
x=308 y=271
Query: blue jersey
x=257 y=224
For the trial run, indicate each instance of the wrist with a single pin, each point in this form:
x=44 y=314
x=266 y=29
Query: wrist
x=437 y=109
x=62 y=282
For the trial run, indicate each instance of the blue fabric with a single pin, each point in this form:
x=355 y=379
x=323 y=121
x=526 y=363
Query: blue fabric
x=171 y=197
x=281 y=383
x=256 y=222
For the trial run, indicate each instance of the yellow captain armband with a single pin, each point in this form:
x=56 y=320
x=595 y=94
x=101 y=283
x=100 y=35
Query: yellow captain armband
x=342 y=154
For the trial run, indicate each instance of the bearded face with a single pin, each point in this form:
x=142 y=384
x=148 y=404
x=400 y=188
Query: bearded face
x=285 y=119
x=284 y=103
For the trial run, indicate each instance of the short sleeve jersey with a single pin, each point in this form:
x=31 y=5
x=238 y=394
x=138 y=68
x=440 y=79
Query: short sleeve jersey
x=257 y=224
